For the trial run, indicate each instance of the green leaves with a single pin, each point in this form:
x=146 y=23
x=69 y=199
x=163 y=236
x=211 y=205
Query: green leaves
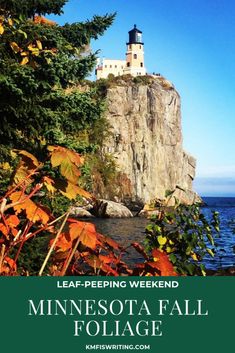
x=184 y=234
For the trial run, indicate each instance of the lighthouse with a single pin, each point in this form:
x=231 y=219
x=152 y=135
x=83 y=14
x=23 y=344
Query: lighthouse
x=134 y=63
x=135 y=54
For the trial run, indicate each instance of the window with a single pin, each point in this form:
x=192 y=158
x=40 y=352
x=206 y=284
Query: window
x=105 y=66
x=115 y=66
x=128 y=64
x=135 y=56
x=130 y=46
x=140 y=47
x=139 y=37
x=141 y=65
x=110 y=66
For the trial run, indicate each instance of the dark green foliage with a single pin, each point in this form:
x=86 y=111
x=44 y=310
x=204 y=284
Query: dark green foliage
x=32 y=255
x=80 y=33
x=29 y=8
x=37 y=105
x=142 y=80
x=185 y=235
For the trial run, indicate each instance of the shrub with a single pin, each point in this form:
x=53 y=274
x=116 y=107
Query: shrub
x=185 y=235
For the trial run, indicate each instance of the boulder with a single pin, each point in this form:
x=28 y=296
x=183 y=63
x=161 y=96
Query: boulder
x=80 y=212
x=111 y=209
x=148 y=213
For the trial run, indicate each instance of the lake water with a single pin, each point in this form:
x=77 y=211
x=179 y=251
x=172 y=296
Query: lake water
x=225 y=256
x=126 y=231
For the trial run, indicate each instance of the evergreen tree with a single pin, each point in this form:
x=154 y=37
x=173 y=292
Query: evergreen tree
x=39 y=63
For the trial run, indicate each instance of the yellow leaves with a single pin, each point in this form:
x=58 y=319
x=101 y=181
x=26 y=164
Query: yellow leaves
x=49 y=184
x=69 y=162
x=70 y=171
x=72 y=191
x=5 y=166
x=15 y=47
x=33 y=49
x=39 y=44
x=5 y=22
x=194 y=257
x=58 y=154
x=10 y=22
x=1 y=29
x=24 y=61
x=26 y=166
x=161 y=240
x=210 y=252
x=168 y=249
x=28 y=158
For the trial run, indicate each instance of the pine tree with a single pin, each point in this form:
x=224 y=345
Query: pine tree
x=39 y=62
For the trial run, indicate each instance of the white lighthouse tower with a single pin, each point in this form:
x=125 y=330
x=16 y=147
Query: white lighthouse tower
x=135 y=54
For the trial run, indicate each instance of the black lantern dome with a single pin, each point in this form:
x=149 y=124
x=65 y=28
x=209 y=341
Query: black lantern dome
x=135 y=36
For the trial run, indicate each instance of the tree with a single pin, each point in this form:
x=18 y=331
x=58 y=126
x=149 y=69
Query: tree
x=29 y=8
x=39 y=62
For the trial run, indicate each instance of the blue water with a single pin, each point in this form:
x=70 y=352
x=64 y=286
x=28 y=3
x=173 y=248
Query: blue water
x=129 y=230
x=225 y=249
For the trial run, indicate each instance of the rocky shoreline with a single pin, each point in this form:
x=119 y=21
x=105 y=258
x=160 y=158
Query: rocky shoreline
x=230 y=271
x=102 y=209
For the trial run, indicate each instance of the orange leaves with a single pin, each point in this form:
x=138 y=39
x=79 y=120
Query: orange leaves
x=9 y=226
x=139 y=248
x=22 y=203
x=162 y=263
x=44 y=21
x=157 y=264
x=77 y=247
x=21 y=217
x=8 y=266
x=68 y=162
x=86 y=233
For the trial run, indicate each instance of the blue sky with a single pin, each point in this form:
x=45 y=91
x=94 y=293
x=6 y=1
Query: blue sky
x=191 y=43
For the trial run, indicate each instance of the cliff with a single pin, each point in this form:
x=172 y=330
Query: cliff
x=145 y=119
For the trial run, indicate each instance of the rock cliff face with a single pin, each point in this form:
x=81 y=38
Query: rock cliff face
x=147 y=141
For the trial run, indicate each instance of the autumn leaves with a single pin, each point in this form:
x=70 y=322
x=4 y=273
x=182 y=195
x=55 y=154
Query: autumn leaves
x=75 y=247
